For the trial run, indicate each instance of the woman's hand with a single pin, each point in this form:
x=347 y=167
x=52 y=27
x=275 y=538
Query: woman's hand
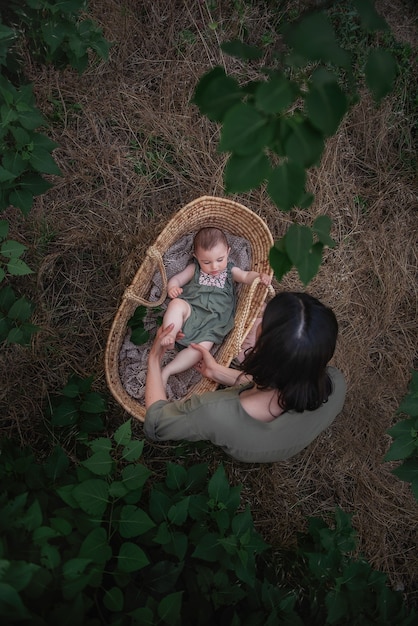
x=157 y=349
x=208 y=364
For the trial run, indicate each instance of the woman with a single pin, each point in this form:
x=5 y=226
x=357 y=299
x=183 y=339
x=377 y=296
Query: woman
x=283 y=398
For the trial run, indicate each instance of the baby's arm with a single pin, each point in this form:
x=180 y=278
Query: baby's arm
x=242 y=276
x=176 y=282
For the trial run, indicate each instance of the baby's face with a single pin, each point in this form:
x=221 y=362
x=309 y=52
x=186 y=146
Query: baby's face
x=213 y=261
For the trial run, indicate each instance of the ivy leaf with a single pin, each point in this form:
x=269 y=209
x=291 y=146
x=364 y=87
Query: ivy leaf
x=243 y=173
x=314 y=38
x=237 y=48
x=286 y=184
x=381 y=70
x=216 y=93
x=370 y=19
x=321 y=227
x=131 y=558
x=245 y=131
x=275 y=95
x=298 y=243
x=326 y=105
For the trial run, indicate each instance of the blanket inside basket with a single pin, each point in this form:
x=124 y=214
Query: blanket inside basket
x=132 y=358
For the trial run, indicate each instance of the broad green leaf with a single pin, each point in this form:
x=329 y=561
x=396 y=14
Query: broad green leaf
x=93 y=402
x=169 y=608
x=216 y=93
x=309 y=265
x=286 y=185
x=18 y=574
x=21 y=199
x=65 y=413
x=123 y=434
x=409 y=404
x=16 y=336
x=142 y=616
x=279 y=260
x=35 y=184
x=208 y=548
x=117 y=489
x=237 y=48
x=176 y=476
x=243 y=173
x=370 y=19
x=43 y=162
x=4 y=229
x=50 y=556
x=135 y=476
x=139 y=336
x=179 y=511
x=304 y=144
x=314 y=38
x=381 y=70
x=245 y=131
x=21 y=309
x=52 y=34
x=99 y=463
x=113 y=599
x=159 y=505
x=12 y=248
x=7 y=298
x=196 y=475
x=162 y=576
x=92 y=496
x=32 y=518
x=21 y=136
x=73 y=568
x=133 y=450
x=95 y=546
x=6 y=176
x=134 y=521
x=31 y=119
x=218 y=486
x=326 y=106
x=17 y=267
x=131 y=558
x=2 y=277
x=11 y=603
x=275 y=95
x=401 y=448
x=298 y=242
x=408 y=470
x=101 y=444
x=321 y=227
x=56 y=464
x=42 y=141
x=403 y=428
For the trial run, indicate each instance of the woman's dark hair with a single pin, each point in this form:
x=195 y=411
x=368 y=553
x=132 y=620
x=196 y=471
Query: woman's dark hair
x=297 y=340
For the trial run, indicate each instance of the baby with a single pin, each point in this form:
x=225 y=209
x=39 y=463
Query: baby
x=203 y=299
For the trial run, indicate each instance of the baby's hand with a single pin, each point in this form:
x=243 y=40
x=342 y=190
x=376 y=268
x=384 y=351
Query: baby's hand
x=265 y=279
x=175 y=291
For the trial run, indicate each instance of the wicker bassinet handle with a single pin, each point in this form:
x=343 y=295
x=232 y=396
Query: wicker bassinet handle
x=241 y=331
x=154 y=254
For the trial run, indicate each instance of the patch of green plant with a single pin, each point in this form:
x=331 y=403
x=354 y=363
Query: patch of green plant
x=404 y=446
x=78 y=407
x=10 y=253
x=139 y=334
x=101 y=543
x=15 y=313
x=158 y=155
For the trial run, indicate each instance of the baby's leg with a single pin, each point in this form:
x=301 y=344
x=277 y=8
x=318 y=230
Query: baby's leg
x=177 y=312
x=184 y=360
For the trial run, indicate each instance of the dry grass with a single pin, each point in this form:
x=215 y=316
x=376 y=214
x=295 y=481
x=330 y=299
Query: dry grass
x=134 y=153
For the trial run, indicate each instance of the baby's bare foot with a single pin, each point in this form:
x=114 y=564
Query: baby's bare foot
x=168 y=341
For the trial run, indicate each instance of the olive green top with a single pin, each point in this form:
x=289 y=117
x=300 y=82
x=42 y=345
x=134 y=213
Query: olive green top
x=218 y=416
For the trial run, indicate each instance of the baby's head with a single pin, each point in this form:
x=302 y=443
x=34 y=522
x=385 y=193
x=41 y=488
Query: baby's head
x=211 y=250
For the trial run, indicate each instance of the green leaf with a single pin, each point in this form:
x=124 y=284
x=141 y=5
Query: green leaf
x=370 y=19
x=7 y=298
x=135 y=476
x=42 y=161
x=309 y=265
x=123 y=434
x=169 y=608
x=73 y=568
x=6 y=176
x=243 y=173
x=133 y=450
x=237 y=48
x=65 y=413
x=314 y=38
x=93 y=402
x=178 y=512
x=57 y=464
x=100 y=463
x=326 y=105
x=216 y=93
x=21 y=199
x=95 y=546
x=139 y=336
x=11 y=248
x=2 y=277
x=275 y=95
x=218 y=486
x=35 y=184
x=11 y=603
x=208 y=548
x=31 y=119
x=92 y=496
x=298 y=242
x=407 y=471
x=401 y=448
x=403 y=428
x=286 y=185
x=131 y=558
x=17 y=267
x=381 y=70
x=245 y=131
x=303 y=144
x=279 y=260
x=4 y=229
x=321 y=227
x=176 y=476
x=101 y=444
x=113 y=599
x=134 y=521
x=21 y=310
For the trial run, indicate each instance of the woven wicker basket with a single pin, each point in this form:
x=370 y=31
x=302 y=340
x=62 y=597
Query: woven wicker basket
x=228 y=215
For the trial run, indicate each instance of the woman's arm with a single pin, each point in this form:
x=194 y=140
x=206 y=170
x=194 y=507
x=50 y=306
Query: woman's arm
x=209 y=368
x=242 y=276
x=154 y=387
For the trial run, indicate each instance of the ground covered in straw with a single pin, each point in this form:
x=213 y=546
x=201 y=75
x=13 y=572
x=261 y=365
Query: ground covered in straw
x=133 y=150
